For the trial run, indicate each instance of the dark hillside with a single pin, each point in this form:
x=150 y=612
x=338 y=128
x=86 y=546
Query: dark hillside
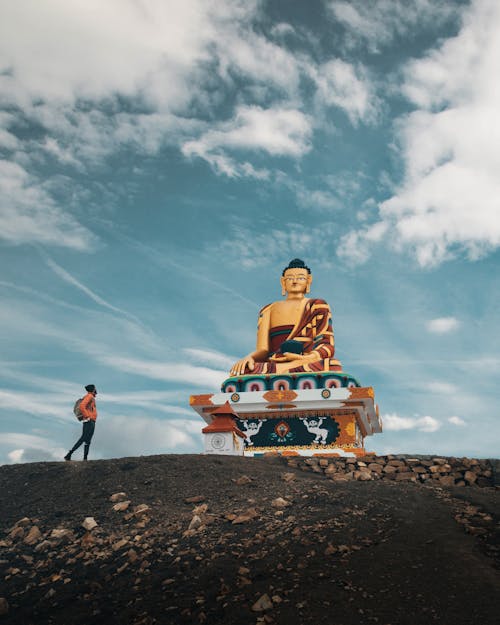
x=226 y=540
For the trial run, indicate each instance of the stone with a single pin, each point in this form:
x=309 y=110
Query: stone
x=118 y=497
x=89 y=523
x=470 y=477
x=340 y=477
x=447 y=480
x=195 y=499
x=4 y=606
x=323 y=462
x=60 y=534
x=195 y=523
x=43 y=546
x=280 y=503
x=331 y=549
x=362 y=476
x=141 y=509
x=121 y=506
x=16 y=533
x=483 y=481
x=439 y=460
x=375 y=467
x=241 y=481
x=288 y=477
x=201 y=509
x=389 y=468
x=396 y=463
x=33 y=536
x=24 y=522
x=244 y=517
x=132 y=555
x=262 y=603
x=119 y=544
x=406 y=477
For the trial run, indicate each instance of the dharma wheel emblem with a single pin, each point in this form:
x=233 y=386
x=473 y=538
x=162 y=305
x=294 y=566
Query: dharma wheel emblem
x=217 y=441
x=282 y=429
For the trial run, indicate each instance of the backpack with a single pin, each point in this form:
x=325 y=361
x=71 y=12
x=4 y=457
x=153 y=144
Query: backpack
x=76 y=409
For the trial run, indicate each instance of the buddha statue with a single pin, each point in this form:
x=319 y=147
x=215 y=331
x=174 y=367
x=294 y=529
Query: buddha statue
x=294 y=335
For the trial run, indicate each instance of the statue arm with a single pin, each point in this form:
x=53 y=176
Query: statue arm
x=262 y=349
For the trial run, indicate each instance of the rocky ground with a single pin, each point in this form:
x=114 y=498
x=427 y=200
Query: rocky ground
x=225 y=540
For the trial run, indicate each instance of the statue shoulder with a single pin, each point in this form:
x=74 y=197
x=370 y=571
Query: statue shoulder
x=316 y=301
x=265 y=309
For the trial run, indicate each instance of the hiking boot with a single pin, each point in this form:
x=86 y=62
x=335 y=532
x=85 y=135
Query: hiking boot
x=67 y=457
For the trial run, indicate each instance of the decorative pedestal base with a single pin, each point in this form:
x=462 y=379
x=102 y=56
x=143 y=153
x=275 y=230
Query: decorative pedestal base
x=328 y=421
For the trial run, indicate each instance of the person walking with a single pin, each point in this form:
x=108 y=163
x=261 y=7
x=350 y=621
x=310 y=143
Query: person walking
x=89 y=412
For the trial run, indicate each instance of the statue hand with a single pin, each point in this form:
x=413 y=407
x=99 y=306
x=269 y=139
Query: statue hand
x=288 y=356
x=239 y=367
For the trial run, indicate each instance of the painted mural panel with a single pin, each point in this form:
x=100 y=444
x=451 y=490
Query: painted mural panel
x=296 y=431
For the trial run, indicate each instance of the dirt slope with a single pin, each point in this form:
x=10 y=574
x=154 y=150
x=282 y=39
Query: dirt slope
x=259 y=542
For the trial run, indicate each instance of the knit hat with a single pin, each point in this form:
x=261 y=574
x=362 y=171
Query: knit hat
x=90 y=388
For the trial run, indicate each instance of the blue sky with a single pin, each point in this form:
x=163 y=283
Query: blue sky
x=162 y=161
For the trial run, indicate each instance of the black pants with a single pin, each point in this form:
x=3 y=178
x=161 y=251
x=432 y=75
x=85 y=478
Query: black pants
x=86 y=437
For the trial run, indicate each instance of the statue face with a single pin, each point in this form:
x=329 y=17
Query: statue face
x=296 y=280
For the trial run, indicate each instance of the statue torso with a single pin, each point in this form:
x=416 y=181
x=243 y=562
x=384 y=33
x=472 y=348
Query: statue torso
x=287 y=312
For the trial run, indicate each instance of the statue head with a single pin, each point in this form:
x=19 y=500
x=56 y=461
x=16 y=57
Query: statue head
x=296 y=277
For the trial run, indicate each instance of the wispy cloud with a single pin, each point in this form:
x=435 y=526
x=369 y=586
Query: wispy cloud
x=168 y=371
x=210 y=357
x=442 y=388
x=28 y=213
x=67 y=277
x=374 y=25
x=53 y=405
x=341 y=84
x=252 y=249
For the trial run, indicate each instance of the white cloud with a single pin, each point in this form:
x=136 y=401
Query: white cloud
x=35 y=454
x=64 y=51
x=424 y=424
x=145 y=435
x=448 y=202
x=457 y=421
x=442 y=325
x=277 y=131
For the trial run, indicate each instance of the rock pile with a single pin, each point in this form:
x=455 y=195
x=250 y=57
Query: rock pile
x=442 y=471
